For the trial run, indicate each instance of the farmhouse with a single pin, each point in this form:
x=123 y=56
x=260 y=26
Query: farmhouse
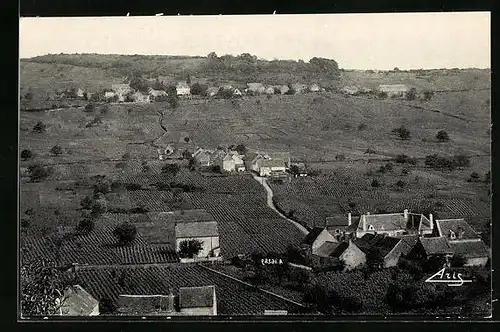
x=230 y=162
x=156 y=93
x=183 y=89
x=256 y=88
x=463 y=240
x=392 y=224
x=268 y=167
x=383 y=250
x=121 y=91
x=203 y=157
x=315 y=239
x=394 y=90
x=77 y=302
x=198 y=225
x=198 y=301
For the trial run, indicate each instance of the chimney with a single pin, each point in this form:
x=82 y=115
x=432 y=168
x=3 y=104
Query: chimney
x=349 y=219
x=431 y=219
x=405 y=214
x=363 y=220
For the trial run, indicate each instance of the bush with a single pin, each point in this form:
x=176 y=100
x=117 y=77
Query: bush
x=389 y=167
x=198 y=89
x=400 y=184
x=428 y=94
x=411 y=94
x=38 y=172
x=458 y=260
x=133 y=186
x=190 y=248
x=241 y=149
x=26 y=154
x=442 y=136
x=375 y=183
x=382 y=95
x=56 y=150
x=173 y=101
x=98 y=207
x=172 y=169
x=405 y=171
x=89 y=107
x=125 y=233
x=86 y=203
x=401 y=158
x=39 y=127
x=85 y=226
x=216 y=169
x=361 y=126
x=340 y=157
x=402 y=132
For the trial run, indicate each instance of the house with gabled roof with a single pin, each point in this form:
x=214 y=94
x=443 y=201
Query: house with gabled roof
x=315 y=239
x=314 y=87
x=383 y=250
x=139 y=97
x=349 y=253
x=392 y=224
x=464 y=241
x=337 y=226
x=256 y=88
x=431 y=247
x=212 y=91
x=230 y=162
x=203 y=157
x=198 y=301
x=183 y=89
x=77 y=301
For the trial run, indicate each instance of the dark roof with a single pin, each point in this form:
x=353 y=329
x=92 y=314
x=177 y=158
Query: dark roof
x=196 y=297
x=339 y=250
x=384 y=222
x=380 y=242
x=196 y=229
x=456 y=225
x=326 y=249
x=411 y=241
x=472 y=249
x=77 y=302
x=233 y=297
x=337 y=221
x=312 y=235
x=435 y=245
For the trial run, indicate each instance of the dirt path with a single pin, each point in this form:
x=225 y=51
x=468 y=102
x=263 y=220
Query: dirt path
x=270 y=203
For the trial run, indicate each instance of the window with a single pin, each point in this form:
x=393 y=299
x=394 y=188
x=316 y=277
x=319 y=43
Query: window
x=452 y=235
x=370 y=228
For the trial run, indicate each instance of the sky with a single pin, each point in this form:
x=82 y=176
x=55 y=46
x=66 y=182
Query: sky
x=355 y=41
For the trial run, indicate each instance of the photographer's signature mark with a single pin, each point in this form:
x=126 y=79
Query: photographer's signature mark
x=450 y=278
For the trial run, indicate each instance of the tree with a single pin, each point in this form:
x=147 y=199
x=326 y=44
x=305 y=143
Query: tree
x=400 y=184
x=85 y=226
x=375 y=183
x=42 y=287
x=98 y=206
x=173 y=101
x=86 y=203
x=125 y=233
x=216 y=169
x=241 y=149
x=102 y=186
x=294 y=170
x=26 y=154
x=411 y=94
x=389 y=166
x=402 y=132
x=458 y=260
x=340 y=157
x=428 y=94
x=198 y=89
x=190 y=248
x=172 y=169
x=38 y=172
x=56 y=150
x=106 y=306
x=212 y=55
x=139 y=84
x=442 y=136
x=90 y=107
x=39 y=127
x=186 y=154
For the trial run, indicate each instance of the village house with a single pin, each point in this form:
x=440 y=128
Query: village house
x=314 y=88
x=139 y=97
x=121 y=90
x=299 y=88
x=350 y=254
x=230 y=162
x=383 y=250
x=267 y=164
x=431 y=247
x=109 y=95
x=183 y=89
x=283 y=156
x=394 y=90
x=337 y=226
x=271 y=167
x=256 y=88
x=212 y=91
x=198 y=301
x=269 y=90
x=80 y=93
x=464 y=241
x=154 y=94
x=198 y=225
x=315 y=239
x=203 y=157
x=392 y=224
x=77 y=301
x=190 y=301
x=283 y=89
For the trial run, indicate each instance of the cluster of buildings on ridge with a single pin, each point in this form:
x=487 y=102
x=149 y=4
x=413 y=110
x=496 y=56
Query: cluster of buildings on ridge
x=388 y=237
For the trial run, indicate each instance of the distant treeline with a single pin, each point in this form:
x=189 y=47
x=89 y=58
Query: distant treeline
x=241 y=68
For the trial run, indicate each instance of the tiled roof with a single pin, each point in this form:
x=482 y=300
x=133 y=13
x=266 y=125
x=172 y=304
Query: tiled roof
x=384 y=222
x=196 y=297
x=339 y=249
x=196 y=229
x=383 y=243
x=326 y=249
x=312 y=235
x=474 y=249
x=77 y=302
x=411 y=241
x=435 y=245
x=457 y=226
x=272 y=163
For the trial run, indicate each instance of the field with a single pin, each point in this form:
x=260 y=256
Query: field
x=233 y=298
